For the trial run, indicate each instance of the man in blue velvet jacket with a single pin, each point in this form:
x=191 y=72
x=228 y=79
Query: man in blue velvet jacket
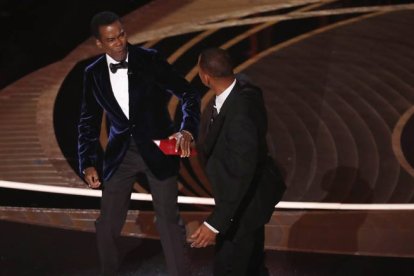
x=132 y=86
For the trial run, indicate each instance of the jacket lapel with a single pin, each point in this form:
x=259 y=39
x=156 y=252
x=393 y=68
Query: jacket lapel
x=136 y=81
x=217 y=125
x=102 y=77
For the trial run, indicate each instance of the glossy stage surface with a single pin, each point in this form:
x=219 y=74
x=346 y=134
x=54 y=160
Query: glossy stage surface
x=34 y=250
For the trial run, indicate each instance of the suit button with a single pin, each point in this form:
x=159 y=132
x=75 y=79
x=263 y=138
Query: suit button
x=231 y=220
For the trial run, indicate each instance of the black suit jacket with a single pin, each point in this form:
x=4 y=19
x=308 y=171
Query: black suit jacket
x=246 y=184
x=151 y=82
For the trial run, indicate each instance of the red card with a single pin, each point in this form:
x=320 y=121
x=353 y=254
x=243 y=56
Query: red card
x=167 y=146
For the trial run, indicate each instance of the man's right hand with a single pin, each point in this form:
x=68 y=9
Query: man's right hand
x=92 y=178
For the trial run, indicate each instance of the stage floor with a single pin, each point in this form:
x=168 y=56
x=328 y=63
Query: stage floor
x=34 y=250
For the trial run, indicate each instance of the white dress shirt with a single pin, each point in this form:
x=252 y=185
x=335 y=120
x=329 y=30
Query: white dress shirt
x=119 y=83
x=219 y=101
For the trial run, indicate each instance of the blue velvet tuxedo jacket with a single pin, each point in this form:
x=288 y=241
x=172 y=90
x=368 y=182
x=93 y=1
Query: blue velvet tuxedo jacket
x=151 y=82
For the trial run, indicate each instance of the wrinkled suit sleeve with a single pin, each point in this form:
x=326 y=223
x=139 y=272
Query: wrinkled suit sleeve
x=89 y=125
x=172 y=82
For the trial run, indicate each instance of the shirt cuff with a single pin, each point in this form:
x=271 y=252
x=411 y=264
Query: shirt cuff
x=211 y=227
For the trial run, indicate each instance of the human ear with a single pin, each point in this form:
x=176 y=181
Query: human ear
x=207 y=80
x=98 y=43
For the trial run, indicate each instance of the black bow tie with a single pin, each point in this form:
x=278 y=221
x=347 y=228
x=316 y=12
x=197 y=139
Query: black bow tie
x=115 y=66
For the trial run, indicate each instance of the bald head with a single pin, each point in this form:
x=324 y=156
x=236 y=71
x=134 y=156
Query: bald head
x=216 y=62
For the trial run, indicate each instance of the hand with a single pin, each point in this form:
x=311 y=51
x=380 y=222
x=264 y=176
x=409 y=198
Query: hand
x=203 y=237
x=184 y=139
x=92 y=178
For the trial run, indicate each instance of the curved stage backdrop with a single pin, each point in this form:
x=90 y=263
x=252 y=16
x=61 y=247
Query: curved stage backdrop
x=338 y=83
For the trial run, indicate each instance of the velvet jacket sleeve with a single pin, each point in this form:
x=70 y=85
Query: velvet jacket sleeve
x=233 y=163
x=171 y=81
x=89 y=125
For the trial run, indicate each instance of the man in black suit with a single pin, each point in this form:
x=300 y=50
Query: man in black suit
x=133 y=85
x=246 y=183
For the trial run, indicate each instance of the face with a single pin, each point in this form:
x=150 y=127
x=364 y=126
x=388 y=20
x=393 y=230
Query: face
x=113 y=40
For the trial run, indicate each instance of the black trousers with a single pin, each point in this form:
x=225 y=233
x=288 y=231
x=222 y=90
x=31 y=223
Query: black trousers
x=115 y=201
x=245 y=256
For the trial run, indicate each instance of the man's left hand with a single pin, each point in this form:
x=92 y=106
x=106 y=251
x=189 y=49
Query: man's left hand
x=203 y=237
x=184 y=139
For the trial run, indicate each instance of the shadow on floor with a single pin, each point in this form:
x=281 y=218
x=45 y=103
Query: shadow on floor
x=34 y=250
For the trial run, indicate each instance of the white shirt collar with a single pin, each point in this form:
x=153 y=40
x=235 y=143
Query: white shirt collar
x=110 y=60
x=223 y=96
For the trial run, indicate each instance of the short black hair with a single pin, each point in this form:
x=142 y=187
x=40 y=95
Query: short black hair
x=216 y=62
x=102 y=19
